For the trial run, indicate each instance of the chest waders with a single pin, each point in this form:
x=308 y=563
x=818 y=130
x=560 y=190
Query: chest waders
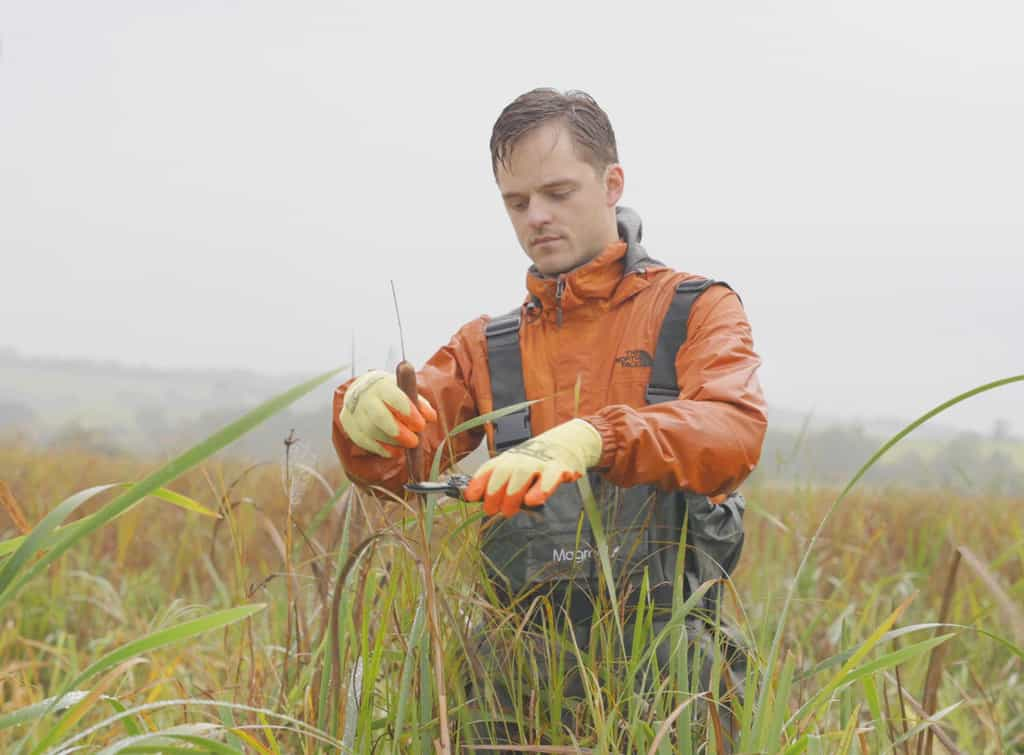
x=552 y=546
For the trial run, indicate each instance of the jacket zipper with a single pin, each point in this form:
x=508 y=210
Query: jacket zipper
x=559 y=289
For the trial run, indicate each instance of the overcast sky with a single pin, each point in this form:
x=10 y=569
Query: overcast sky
x=233 y=184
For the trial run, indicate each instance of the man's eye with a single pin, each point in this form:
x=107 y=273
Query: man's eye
x=562 y=194
x=519 y=205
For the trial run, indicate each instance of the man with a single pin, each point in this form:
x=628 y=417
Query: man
x=601 y=324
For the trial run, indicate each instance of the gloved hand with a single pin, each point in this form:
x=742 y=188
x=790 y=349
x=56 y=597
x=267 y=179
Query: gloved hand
x=380 y=418
x=530 y=472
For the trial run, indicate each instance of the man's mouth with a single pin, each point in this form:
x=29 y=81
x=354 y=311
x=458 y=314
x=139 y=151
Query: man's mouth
x=540 y=240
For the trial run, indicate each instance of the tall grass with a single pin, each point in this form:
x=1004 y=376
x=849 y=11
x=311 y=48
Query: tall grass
x=296 y=621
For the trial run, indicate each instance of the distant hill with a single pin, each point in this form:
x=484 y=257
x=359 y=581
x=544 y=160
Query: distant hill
x=150 y=411
x=146 y=411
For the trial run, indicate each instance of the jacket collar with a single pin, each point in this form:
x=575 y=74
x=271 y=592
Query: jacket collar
x=617 y=273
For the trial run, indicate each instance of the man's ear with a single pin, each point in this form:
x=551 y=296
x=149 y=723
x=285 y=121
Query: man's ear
x=614 y=184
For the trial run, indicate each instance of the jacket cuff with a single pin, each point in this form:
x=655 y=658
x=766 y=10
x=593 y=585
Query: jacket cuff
x=609 y=442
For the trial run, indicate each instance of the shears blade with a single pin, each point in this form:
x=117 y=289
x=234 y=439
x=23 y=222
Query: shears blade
x=453 y=486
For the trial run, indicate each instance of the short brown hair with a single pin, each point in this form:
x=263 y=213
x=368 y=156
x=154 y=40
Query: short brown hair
x=588 y=124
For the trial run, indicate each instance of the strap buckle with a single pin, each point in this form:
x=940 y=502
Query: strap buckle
x=659 y=395
x=512 y=429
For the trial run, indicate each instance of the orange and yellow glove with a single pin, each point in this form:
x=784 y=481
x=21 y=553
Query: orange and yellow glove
x=379 y=418
x=530 y=472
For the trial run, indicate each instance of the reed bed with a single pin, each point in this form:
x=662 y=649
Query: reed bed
x=219 y=605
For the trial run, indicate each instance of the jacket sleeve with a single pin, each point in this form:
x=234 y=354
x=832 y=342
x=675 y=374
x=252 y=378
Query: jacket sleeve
x=446 y=382
x=708 y=440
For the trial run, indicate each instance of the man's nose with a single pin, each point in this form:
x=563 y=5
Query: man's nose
x=539 y=213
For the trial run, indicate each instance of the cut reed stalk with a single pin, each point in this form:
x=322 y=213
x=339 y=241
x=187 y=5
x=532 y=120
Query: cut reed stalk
x=406 y=377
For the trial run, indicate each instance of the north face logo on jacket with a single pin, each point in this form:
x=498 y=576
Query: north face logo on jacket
x=635 y=358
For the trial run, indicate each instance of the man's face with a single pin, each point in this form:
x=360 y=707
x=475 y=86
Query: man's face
x=561 y=208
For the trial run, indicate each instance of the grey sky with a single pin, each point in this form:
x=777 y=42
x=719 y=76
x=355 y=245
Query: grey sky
x=233 y=184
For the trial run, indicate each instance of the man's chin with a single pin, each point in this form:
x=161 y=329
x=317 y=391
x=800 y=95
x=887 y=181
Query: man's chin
x=555 y=263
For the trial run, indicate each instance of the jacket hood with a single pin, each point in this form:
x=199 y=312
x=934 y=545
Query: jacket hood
x=618 y=272
x=631 y=230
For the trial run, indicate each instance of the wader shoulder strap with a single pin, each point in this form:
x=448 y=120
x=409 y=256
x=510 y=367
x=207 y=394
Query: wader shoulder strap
x=664 y=385
x=505 y=362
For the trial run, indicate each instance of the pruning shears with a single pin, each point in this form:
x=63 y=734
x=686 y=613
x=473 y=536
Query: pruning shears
x=453 y=486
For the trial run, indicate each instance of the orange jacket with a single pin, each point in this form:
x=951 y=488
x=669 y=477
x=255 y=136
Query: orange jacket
x=707 y=442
